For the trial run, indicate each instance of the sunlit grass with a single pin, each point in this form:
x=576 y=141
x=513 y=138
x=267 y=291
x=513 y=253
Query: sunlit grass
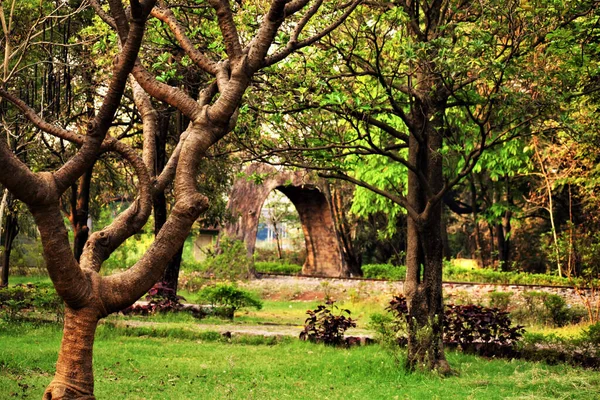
x=571 y=331
x=180 y=368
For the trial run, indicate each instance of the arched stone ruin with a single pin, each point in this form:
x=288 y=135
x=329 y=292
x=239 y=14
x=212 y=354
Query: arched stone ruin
x=310 y=196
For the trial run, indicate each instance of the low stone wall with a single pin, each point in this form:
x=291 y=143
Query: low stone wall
x=479 y=291
x=453 y=291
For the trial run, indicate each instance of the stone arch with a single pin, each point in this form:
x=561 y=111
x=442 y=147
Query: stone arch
x=310 y=196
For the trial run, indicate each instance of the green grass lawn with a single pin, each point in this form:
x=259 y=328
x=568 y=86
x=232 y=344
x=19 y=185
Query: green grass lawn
x=171 y=368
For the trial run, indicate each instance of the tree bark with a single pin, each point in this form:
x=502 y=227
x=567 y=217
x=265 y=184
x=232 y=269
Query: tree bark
x=277 y=238
x=340 y=195
x=74 y=377
x=446 y=252
x=476 y=231
x=423 y=286
x=88 y=296
x=81 y=212
x=10 y=231
x=159 y=201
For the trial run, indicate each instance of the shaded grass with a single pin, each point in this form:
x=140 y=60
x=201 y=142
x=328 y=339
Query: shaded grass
x=178 y=368
x=36 y=280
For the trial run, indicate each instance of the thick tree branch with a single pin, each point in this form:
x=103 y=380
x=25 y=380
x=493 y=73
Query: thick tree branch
x=166 y=93
x=149 y=117
x=228 y=28
x=98 y=128
x=101 y=244
x=24 y=184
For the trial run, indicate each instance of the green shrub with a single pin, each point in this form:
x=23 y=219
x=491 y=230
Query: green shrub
x=467 y=324
x=19 y=300
x=592 y=334
x=384 y=271
x=229 y=298
x=287 y=256
x=269 y=267
x=500 y=300
x=231 y=262
x=327 y=324
x=391 y=334
x=546 y=309
x=557 y=309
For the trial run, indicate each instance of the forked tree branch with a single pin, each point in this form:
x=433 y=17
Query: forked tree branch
x=294 y=45
x=101 y=244
x=200 y=59
x=99 y=126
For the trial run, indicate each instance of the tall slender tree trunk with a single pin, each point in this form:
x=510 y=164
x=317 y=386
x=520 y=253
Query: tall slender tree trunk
x=548 y=182
x=10 y=232
x=344 y=229
x=81 y=192
x=476 y=230
x=501 y=231
x=504 y=247
x=159 y=202
x=277 y=239
x=423 y=285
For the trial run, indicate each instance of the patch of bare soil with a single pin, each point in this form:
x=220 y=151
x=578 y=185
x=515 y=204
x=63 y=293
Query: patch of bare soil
x=309 y=296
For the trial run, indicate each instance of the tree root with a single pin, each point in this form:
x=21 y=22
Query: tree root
x=65 y=391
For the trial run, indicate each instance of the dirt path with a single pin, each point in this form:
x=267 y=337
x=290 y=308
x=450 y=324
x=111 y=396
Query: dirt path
x=266 y=330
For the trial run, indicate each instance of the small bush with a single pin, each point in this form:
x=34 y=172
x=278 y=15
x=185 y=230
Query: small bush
x=160 y=298
x=274 y=267
x=231 y=262
x=468 y=324
x=390 y=333
x=19 y=300
x=294 y=257
x=384 y=271
x=229 y=298
x=557 y=308
x=500 y=300
x=327 y=324
x=546 y=309
x=592 y=334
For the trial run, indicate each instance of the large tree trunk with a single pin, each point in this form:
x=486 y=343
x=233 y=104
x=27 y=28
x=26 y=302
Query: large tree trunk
x=74 y=377
x=171 y=275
